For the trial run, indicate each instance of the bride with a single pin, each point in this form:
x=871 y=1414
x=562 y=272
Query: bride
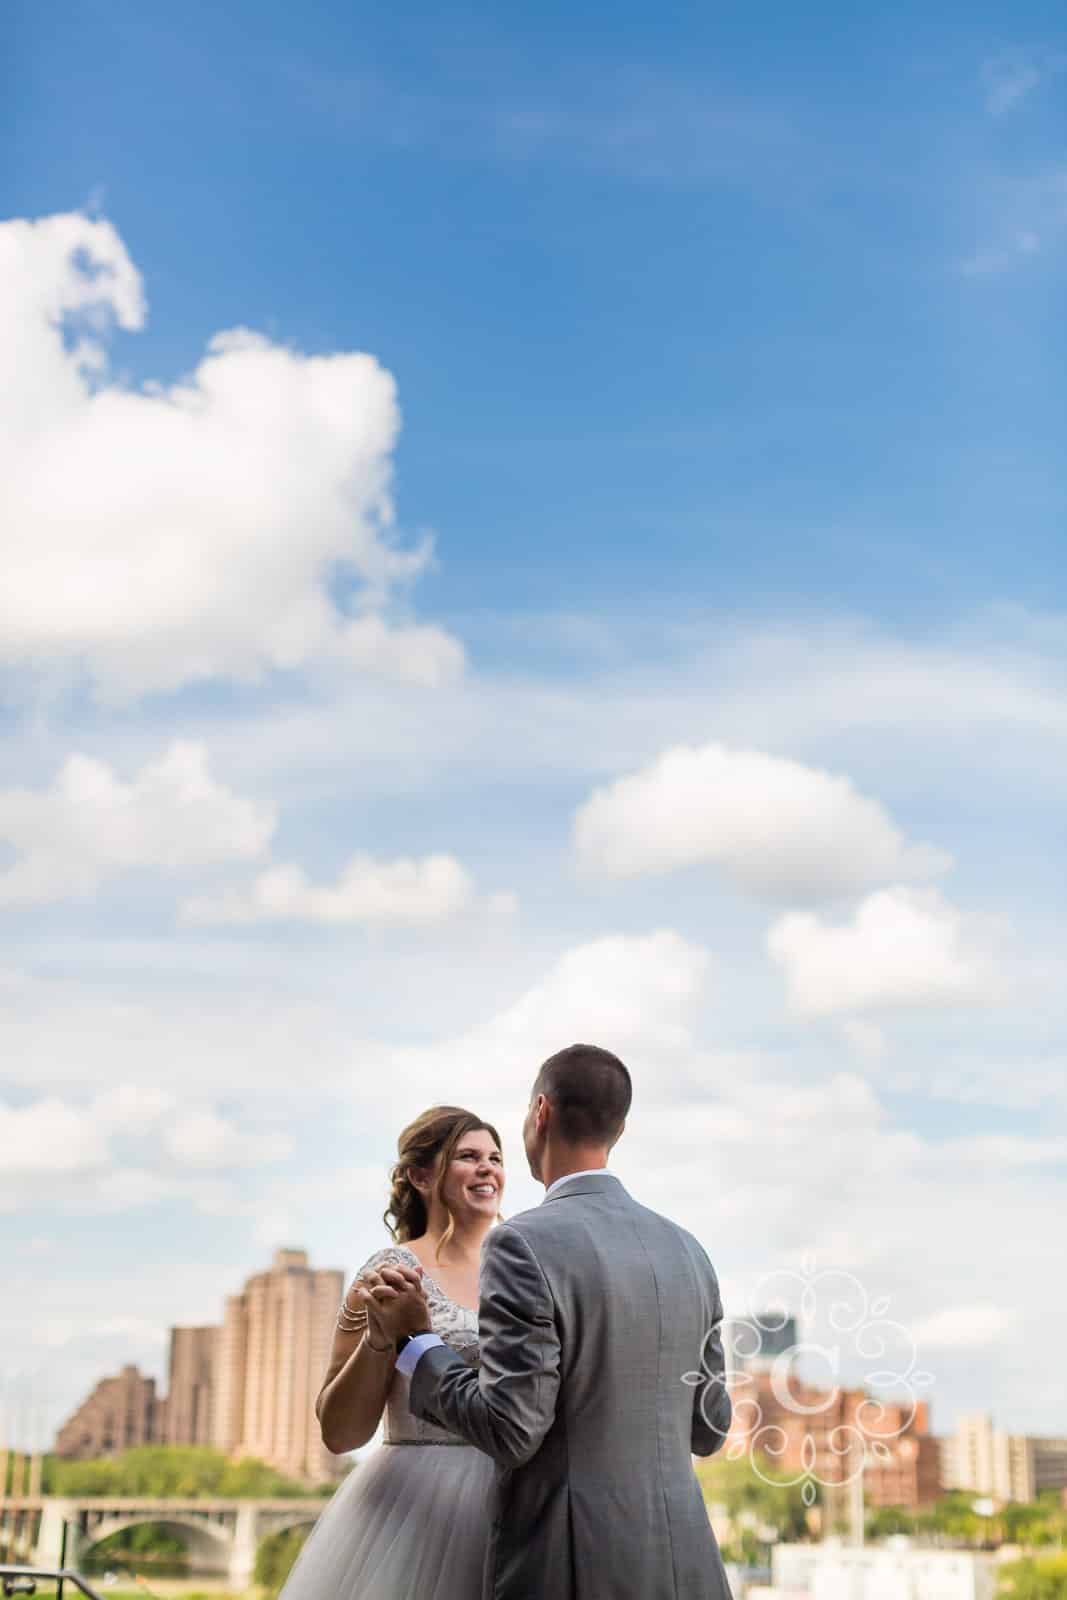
x=410 y=1521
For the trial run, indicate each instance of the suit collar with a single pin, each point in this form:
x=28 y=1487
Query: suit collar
x=603 y=1182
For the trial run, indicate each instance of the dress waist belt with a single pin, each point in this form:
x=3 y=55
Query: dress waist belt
x=462 y=1443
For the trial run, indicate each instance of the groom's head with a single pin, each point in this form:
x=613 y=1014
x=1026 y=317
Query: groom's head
x=578 y=1108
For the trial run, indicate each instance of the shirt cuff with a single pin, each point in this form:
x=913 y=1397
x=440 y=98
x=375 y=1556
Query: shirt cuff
x=409 y=1357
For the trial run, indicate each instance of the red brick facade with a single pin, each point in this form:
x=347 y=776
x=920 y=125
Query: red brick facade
x=802 y=1427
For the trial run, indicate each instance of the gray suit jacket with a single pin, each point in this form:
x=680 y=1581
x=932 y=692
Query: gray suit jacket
x=593 y=1311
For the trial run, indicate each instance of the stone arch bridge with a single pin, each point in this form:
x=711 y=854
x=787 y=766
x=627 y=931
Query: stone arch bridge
x=222 y=1536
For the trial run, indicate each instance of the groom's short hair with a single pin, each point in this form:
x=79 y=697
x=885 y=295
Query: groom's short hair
x=590 y=1090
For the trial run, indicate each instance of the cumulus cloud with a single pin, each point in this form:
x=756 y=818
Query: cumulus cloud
x=764 y=1166
x=204 y=1139
x=865 y=1038
x=1010 y=78
x=774 y=827
x=73 y=1036
x=163 y=535
x=375 y=893
x=63 y=1137
x=965 y=1327
x=623 y=991
x=634 y=994
x=904 y=947
x=89 y=823
x=1016 y=1085
x=1005 y=1150
x=49 y=1136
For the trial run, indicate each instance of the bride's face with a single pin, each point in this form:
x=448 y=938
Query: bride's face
x=474 y=1182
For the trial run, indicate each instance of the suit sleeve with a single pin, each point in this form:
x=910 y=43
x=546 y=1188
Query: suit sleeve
x=712 y=1407
x=508 y=1405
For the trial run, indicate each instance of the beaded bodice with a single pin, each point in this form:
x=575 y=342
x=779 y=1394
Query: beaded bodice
x=456 y=1325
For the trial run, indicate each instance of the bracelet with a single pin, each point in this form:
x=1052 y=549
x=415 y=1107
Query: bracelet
x=349 y=1321
x=379 y=1349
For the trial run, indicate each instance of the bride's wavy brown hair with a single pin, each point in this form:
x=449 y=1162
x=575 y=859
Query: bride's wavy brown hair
x=429 y=1142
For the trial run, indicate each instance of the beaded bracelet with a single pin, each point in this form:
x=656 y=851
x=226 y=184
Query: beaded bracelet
x=349 y=1321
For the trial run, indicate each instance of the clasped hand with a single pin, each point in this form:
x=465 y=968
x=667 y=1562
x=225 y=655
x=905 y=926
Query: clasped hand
x=395 y=1303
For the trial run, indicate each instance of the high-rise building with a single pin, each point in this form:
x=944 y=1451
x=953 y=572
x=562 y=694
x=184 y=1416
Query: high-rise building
x=1003 y=1466
x=755 y=1344
x=120 y=1412
x=968 y=1454
x=230 y=1362
x=272 y=1354
x=190 y=1398
x=248 y=1387
x=1050 y=1463
x=1013 y=1467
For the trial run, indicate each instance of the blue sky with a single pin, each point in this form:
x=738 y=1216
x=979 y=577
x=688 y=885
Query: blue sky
x=699 y=281
x=729 y=365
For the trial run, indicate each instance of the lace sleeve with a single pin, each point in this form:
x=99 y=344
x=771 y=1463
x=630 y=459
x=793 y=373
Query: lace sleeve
x=393 y=1255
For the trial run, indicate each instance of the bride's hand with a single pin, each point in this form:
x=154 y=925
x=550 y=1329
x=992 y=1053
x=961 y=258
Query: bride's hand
x=396 y=1304
x=383 y=1304
x=374 y=1329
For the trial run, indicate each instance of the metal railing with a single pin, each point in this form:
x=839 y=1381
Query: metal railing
x=24 y=1580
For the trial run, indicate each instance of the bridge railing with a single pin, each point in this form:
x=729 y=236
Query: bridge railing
x=24 y=1580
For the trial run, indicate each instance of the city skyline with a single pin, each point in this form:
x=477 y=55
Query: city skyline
x=201 y=1406
x=908 y=1464
x=245 y=1386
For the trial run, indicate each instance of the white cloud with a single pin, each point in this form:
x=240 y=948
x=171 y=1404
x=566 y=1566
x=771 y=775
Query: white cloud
x=59 y=1332
x=49 y=1136
x=1005 y=1150
x=1027 y=215
x=376 y=893
x=762 y=1165
x=993 y=259
x=1010 y=78
x=718 y=1138
x=131 y=1107
x=776 y=828
x=904 y=947
x=625 y=991
x=239 y=1038
x=172 y=814
x=864 y=1037
x=634 y=995
x=127 y=1188
x=159 y=536
x=1017 y=1085
x=963 y=1327
x=418 y=653
x=204 y=1139
x=62 y=1138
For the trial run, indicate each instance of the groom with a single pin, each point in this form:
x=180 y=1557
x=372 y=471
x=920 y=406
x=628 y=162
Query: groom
x=594 y=1310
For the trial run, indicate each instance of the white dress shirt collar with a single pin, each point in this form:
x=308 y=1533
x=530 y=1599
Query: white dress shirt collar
x=589 y=1172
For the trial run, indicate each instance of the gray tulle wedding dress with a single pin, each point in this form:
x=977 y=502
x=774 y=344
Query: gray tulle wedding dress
x=411 y=1520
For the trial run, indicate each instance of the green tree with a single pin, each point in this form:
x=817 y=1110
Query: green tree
x=763 y=1507
x=149 y=1547
x=881 y=1521
x=1033 y=1578
x=275 y=1558
x=181 y=1472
